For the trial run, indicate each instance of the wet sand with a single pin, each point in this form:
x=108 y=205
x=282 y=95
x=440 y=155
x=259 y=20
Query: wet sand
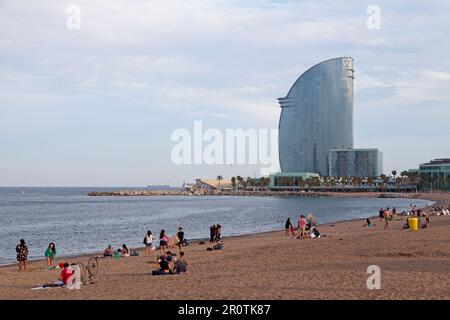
x=414 y=265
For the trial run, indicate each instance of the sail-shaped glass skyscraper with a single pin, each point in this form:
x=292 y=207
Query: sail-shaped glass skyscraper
x=316 y=116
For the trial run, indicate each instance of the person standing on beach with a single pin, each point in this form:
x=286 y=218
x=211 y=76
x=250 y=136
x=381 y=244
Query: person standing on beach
x=148 y=241
x=387 y=215
x=22 y=255
x=381 y=214
x=180 y=235
x=302 y=227
x=163 y=241
x=287 y=226
x=50 y=254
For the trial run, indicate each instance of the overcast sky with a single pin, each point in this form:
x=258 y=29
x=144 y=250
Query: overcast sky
x=96 y=106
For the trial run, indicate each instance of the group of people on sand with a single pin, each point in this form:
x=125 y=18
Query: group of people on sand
x=388 y=216
x=304 y=225
x=22 y=254
x=123 y=251
x=440 y=211
x=169 y=264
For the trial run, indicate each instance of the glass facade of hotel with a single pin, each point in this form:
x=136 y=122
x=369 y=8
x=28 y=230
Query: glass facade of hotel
x=316 y=116
x=438 y=171
x=355 y=163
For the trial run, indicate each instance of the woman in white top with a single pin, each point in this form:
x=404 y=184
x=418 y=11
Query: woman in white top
x=148 y=241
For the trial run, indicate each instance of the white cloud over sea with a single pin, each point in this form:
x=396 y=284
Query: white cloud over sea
x=96 y=106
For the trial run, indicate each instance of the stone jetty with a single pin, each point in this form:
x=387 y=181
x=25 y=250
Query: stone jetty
x=203 y=192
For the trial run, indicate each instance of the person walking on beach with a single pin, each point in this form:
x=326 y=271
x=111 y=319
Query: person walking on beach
x=387 y=215
x=163 y=241
x=180 y=235
x=148 y=241
x=22 y=255
x=50 y=254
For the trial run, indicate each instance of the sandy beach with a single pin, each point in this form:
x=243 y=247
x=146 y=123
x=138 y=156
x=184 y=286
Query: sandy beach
x=414 y=265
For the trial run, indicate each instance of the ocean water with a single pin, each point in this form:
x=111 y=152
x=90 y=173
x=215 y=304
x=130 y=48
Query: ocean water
x=79 y=224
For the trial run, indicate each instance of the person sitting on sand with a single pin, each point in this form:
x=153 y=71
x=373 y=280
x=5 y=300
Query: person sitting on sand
x=426 y=224
x=181 y=264
x=50 y=254
x=164 y=268
x=22 y=255
x=368 y=223
x=66 y=273
x=314 y=232
x=125 y=252
x=109 y=252
x=163 y=241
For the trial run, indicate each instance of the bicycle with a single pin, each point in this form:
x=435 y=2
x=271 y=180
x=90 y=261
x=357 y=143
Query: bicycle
x=88 y=271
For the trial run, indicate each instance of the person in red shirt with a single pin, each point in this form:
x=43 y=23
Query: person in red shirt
x=66 y=273
x=302 y=227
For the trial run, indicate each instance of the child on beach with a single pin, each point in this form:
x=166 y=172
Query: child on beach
x=148 y=241
x=22 y=255
x=50 y=254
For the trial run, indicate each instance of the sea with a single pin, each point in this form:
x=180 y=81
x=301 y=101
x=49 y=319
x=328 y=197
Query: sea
x=80 y=224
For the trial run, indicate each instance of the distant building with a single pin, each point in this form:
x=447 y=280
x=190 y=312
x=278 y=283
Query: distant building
x=289 y=180
x=355 y=162
x=316 y=116
x=213 y=184
x=438 y=171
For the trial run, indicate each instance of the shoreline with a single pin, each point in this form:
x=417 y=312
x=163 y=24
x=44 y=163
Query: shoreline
x=271 y=266
x=196 y=240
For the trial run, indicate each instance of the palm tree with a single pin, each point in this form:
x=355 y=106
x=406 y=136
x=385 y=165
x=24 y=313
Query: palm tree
x=239 y=180
x=394 y=173
x=219 y=178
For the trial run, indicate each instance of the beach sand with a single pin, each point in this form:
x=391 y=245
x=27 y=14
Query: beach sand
x=414 y=265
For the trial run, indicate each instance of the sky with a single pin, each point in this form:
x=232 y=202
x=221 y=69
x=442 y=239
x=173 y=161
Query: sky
x=94 y=103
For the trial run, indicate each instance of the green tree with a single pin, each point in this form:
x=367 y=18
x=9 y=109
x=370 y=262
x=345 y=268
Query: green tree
x=233 y=183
